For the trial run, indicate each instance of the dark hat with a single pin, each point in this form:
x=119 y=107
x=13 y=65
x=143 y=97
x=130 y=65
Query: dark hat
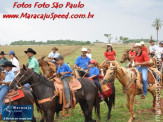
x=54 y=48
x=30 y=50
x=161 y=43
x=9 y=64
x=60 y=57
x=151 y=41
x=2 y=53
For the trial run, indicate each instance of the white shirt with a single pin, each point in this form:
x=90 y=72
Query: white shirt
x=89 y=55
x=159 y=50
x=152 y=48
x=16 y=63
x=53 y=55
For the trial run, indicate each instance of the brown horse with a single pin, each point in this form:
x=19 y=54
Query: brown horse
x=130 y=80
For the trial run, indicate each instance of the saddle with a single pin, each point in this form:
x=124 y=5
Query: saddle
x=74 y=85
x=13 y=95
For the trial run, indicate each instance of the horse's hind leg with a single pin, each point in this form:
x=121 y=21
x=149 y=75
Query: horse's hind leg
x=131 y=97
x=87 y=110
x=154 y=99
x=128 y=102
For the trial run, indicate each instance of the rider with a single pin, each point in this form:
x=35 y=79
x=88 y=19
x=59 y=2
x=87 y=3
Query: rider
x=4 y=87
x=2 y=58
x=110 y=54
x=152 y=48
x=89 y=55
x=159 y=49
x=93 y=74
x=32 y=64
x=54 y=54
x=132 y=54
x=142 y=61
x=65 y=71
x=144 y=48
x=14 y=61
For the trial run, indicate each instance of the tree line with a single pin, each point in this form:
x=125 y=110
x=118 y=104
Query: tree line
x=67 y=42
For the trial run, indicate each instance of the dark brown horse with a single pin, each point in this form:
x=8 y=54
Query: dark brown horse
x=87 y=96
x=47 y=72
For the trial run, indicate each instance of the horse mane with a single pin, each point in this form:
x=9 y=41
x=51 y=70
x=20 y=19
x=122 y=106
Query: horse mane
x=127 y=50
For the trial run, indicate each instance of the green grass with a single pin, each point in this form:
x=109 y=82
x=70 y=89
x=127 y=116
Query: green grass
x=120 y=112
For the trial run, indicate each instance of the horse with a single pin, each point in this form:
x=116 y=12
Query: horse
x=28 y=98
x=44 y=65
x=126 y=56
x=87 y=96
x=129 y=78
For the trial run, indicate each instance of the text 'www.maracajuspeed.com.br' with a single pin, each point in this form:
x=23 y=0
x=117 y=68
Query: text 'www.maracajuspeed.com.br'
x=45 y=16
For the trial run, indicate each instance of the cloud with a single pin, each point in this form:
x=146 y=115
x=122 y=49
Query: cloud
x=131 y=18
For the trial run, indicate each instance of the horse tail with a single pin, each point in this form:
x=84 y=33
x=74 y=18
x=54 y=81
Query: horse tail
x=97 y=105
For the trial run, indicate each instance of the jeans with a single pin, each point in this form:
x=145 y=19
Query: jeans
x=3 y=91
x=27 y=86
x=66 y=87
x=96 y=81
x=144 y=71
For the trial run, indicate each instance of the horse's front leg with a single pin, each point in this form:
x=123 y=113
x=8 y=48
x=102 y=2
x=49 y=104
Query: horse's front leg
x=131 y=103
x=127 y=102
x=49 y=115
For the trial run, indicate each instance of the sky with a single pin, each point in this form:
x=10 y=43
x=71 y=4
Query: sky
x=129 y=18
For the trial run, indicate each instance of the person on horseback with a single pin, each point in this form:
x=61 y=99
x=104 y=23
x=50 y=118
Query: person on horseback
x=4 y=87
x=93 y=74
x=132 y=54
x=159 y=50
x=32 y=63
x=14 y=61
x=142 y=62
x=64 y=71
x=144 y=48
x=54 y=54
x=152 y=48
x=2 y=58
x=89 y=55
x=110 y=53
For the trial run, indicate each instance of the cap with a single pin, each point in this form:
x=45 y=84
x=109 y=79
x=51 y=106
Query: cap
x=109 y=45
x=142 y=42
x=93 y=61
x=11 y=52
x=137 y=45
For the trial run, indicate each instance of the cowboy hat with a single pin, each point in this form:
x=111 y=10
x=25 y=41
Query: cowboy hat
x=109 y=45
x=93 y=61
x=84 y=50
x=8 y=64
x=142 y=42
x=137 y=45
x=60 y=57
x=54 y=48
x=30 y=50
x=151 y=41
x=2 y=53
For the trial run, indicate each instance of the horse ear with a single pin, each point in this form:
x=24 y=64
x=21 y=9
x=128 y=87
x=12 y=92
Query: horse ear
x=43 y=57
x=24 y=67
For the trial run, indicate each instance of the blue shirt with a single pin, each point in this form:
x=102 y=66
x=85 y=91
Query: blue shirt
x=9 y=76
x=64 y=68
x=82 y=62
x=93 y=71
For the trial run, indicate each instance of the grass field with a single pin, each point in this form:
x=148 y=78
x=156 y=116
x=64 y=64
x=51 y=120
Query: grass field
x=119 y=112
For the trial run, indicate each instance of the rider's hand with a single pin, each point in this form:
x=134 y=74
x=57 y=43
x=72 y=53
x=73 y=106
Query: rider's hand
x=55 y=74
x=78 y=67
x=137 y=64
x=62 y=73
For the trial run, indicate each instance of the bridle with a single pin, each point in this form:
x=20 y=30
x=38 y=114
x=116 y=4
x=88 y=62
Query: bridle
x=18 y=81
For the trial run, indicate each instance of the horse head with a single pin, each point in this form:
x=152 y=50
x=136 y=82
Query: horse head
x=125 y=56
x=111 y=72
x=22 y=77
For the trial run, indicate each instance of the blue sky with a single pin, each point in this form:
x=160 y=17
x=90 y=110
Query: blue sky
x=131 y=18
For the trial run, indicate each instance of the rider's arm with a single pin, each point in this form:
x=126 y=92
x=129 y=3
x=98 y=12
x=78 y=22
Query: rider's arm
x=93 y=76
x=6 y=83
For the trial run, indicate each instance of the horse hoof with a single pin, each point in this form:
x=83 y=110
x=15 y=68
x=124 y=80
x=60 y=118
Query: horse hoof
x=41 y=120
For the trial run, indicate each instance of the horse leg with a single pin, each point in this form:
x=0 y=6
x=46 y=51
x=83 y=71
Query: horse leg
x=131 y=99
x=127 y=102
x=154 y=99
x=49 y=116
x=87 y=110
x=109 y=104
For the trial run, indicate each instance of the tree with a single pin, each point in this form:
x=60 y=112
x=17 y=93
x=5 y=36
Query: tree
x=109 y=37
x=157 y=25
x=124 y=39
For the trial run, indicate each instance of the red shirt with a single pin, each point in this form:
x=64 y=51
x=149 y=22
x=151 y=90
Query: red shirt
x=132 y=53
x=144 y=49
x=110 y=55
x=143 y=57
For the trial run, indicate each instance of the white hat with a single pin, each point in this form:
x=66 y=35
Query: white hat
x=84 y=50
x=109 y=45
x=142 y=42
x=138 y=45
